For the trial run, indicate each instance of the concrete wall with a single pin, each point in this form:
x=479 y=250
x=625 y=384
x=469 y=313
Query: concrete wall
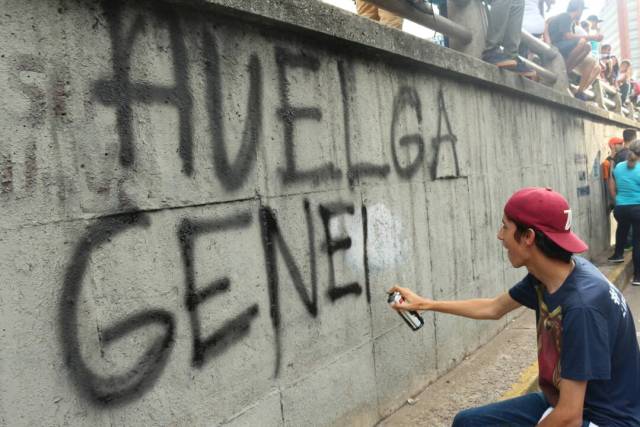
x=202 y=209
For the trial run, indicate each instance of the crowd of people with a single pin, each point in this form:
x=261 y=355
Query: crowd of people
x=621 y=177
x=587 y=56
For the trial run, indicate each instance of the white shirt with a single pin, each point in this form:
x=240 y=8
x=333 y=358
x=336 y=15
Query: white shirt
x=532 y=21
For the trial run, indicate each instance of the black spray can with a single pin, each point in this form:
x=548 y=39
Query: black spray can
x=413 y=318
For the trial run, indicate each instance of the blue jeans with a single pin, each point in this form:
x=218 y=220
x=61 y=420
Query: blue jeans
x=521 y=411
x=628 y=216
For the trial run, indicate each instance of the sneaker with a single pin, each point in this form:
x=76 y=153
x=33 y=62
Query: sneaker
x=614 y=259
x=499 y=59
x=581 y=96
x=523 y=69
x=636 y=281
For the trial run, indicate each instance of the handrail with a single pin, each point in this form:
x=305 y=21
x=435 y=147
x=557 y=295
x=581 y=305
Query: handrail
x=425 y=16
x=609 y=104
x=547 y=75
x=588 y=93
x=608 y=89
x=538 y=46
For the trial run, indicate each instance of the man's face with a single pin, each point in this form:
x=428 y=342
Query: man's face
x=517 y=252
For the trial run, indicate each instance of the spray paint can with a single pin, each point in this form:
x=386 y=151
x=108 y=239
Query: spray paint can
x=413 y=318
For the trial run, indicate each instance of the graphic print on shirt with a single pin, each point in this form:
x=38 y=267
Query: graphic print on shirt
x=618 y=299
x=549 y=331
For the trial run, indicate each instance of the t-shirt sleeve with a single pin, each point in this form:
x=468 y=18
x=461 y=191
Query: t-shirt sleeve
x=585 y=346
x=524 y=292
x=564 y=25
x=606 y=170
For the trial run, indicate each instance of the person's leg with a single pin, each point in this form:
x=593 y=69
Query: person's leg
x=388 y=18
x=511 y=38
x=367 y=10
x=634 y=213
x=498 y=21
x=624 y=91
x=621 y=216
x=588 y=73
x=524 y=410
x=578 y=54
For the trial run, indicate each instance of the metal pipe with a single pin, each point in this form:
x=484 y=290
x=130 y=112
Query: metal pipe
x=589 y=94
x=609 y=104
x=538 y=46
x=423 y=15
x=608 y=89
x=548 y=76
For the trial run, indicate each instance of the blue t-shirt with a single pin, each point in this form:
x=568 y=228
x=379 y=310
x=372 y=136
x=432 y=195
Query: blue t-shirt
x=627 y=184
x=587 y=333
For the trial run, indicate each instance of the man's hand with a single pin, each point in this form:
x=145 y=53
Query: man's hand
x=596 y=37
x=412 y=301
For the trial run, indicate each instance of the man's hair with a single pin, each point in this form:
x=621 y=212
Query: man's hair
x=546 y=245
x=629 y=135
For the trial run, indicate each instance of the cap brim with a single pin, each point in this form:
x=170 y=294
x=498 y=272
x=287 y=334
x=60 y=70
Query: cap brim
x=568 y=241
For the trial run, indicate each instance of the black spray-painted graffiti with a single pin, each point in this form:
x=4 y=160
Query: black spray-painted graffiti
x=120 y=389
x=122 y=94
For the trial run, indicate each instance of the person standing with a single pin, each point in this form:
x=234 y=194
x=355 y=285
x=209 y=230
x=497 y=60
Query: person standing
x=588 y=356
x=615 y=144
x=626 y=191
x=628 y=136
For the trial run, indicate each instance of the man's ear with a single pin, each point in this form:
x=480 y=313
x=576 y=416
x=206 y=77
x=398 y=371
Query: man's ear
x=529 y=237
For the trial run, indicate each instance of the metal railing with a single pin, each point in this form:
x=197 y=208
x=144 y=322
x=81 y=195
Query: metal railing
x=549 y=71
x=547 y=76
x=546 y=52
x=422 y=13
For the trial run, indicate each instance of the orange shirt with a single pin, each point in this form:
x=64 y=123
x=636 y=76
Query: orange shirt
x=606 y=168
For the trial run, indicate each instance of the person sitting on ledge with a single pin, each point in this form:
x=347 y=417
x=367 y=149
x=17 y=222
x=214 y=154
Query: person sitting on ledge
x=588 y=356
x=574 y=48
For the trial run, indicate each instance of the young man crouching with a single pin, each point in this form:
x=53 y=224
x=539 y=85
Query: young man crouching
x=588 y=358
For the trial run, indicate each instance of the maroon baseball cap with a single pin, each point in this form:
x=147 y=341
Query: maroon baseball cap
x=547 y=211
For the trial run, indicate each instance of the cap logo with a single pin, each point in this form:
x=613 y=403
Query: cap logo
x=567 y=226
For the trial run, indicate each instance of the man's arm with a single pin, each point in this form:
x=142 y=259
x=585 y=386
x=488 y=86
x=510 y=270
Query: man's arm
x=480 y=308
x=545 y=34
x=611 y=183
x=568 y=412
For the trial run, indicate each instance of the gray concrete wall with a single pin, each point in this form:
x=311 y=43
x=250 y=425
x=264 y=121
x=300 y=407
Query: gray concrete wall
x=202 y=209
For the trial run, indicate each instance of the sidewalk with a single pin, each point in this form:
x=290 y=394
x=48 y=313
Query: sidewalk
x=504 y=367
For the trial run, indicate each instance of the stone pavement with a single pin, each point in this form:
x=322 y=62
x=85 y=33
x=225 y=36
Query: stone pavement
x=504 y=367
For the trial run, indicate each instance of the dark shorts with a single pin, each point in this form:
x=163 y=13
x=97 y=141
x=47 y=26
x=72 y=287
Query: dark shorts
x=566 y=47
